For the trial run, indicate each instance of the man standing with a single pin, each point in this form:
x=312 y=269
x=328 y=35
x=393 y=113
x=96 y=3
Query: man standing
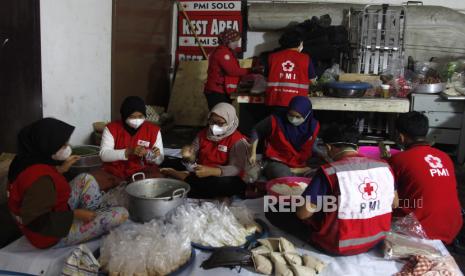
x=426 y=181
x=289 y=72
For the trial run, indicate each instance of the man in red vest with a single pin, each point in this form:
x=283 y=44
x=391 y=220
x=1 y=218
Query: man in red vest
x=349 y=201
x=289 y=72
x=426 y=180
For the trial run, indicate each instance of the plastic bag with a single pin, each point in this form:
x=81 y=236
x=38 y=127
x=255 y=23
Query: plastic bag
x=259 y=84
x=409 y=226
x=331 y=74
x=252 y=172
x=155 y=249
x=407 y=238
x=212 y=224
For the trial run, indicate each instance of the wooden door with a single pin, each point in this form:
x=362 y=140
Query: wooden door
x=20 y=69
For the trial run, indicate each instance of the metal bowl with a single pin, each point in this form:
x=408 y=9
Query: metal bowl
x=430 y=88
x=88 y=161
x=344 y=93
x=154 y=197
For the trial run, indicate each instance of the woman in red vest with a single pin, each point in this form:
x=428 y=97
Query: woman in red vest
x=48 y=210
x=130 y=145
x=289 y=139
x=224 y=71
x=216 y=158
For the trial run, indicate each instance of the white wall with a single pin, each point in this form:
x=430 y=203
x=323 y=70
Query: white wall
x=76 y=62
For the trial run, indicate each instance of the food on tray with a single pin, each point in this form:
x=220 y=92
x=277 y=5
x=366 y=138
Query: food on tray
x=431 y=80
x=277 y=257
x=281 y=269
x=302 y=270
x=285 y=189
x=214 y=225
x=156 y=249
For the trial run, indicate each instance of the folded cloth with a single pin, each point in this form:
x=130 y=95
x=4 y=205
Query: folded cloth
x=81 y=262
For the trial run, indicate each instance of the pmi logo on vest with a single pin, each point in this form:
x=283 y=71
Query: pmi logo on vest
x=437 y=168
x=288 y=66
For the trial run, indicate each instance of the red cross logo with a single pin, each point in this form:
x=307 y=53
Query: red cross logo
x=434 y=162
x=288 y=66
x=368 y=189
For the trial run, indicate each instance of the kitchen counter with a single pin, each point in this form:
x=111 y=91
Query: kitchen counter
x=366 y=104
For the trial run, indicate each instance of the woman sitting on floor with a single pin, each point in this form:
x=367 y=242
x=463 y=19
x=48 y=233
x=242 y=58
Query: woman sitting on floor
x=49 y=210
x=289 y=139
x=129 y=146
x=220 y=154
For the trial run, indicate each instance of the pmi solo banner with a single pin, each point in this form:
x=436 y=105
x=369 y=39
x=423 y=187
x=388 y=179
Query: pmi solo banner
x=209 y=19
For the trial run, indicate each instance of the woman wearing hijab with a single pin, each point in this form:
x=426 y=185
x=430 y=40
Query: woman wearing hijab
x=289 y=139
x=224 y=71
x=49 y=210
x=216 y=158
x=132 y=144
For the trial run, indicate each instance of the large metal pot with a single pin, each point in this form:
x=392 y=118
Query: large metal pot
x=154 y=197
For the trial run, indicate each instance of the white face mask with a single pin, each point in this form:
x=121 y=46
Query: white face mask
x=233 y=45
x=301 y=47
x=134 y=123
x=295 y=121
x=217 y=130
x=62 y=154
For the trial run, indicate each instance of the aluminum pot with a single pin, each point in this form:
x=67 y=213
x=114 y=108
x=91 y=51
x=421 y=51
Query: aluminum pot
x=432 y=88
x=153 y=198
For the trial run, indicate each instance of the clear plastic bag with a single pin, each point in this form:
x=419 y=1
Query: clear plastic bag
x=406 y=238
x=259 y=84
x=211 y=224
x=331 y=74
x=409 y=226
x=156 y=249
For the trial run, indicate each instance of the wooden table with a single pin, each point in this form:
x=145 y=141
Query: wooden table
x=368 y=104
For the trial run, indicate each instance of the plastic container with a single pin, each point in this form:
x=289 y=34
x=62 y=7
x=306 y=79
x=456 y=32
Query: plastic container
x=374 y=152
x=291 y=181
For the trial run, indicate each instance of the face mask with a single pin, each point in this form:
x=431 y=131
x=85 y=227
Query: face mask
x=295 y=121
x=62 y=154
x=301 y=47
x=135 y=123
x=233 y=45
x=217 y=130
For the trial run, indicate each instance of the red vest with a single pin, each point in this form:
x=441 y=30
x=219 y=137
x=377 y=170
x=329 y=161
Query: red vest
x=17 y=189
x=365 y=190
x=287 y=78
x=217 y=80
x=146 y=136
x=215 y=154
x=278 y=147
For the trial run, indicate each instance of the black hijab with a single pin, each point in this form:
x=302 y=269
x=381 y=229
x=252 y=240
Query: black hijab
x=37 y=143
x=130 y=105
